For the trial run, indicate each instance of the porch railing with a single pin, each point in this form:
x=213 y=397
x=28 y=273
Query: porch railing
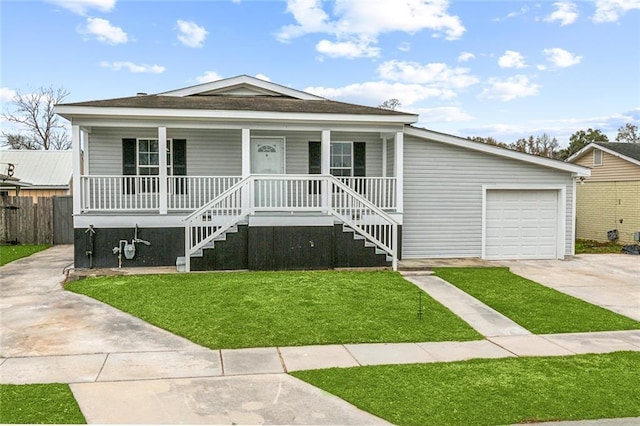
x=189 y=193
x=381 y=191
x=119 y=193
x=192 y=192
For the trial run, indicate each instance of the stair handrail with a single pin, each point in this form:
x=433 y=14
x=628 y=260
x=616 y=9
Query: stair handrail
x=217 y=199
x=393 y=248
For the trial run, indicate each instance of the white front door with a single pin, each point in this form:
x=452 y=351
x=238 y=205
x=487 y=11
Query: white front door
x=267 y=156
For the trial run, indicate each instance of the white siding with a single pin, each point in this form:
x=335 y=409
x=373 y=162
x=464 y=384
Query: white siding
x=209 y=152
x=219 y=152
x=443 y=196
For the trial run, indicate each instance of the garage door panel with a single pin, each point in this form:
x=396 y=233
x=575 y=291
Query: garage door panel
x=521 y=224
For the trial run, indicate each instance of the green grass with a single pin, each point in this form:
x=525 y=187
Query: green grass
x=590 y=247
x=256 y=309
x=11 y=253
x=537 y=308
x=491 y=391
x=39 y=404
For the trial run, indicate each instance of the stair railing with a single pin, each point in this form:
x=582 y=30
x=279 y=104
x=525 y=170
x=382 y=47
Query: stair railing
x=364 y=217
x=216 y=217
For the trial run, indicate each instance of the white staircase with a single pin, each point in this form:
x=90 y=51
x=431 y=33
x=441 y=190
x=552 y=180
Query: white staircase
x=293 y=193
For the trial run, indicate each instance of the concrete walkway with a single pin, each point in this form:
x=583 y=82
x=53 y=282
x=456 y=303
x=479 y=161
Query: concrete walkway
x=113 y=360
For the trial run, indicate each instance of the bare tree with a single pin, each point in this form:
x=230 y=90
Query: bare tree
x=392 y=104
x=628 y=133
x=542 y=145
x=34 y=111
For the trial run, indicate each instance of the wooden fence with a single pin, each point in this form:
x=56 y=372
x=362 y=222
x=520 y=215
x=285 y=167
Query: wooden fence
x=25 y=222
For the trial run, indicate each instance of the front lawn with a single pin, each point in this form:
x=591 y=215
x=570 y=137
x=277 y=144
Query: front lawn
x=491 y=391
x=539 y=309
x=258 y=309
x=11 y=253
x=39 y=404
x=590 y=247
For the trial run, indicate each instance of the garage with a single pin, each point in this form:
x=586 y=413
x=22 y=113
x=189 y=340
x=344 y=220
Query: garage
x=523 y=224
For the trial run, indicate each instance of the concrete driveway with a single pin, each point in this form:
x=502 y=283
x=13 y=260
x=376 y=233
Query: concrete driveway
x=608 y=280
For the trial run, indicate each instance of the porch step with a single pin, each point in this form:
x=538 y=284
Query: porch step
x=367 y=243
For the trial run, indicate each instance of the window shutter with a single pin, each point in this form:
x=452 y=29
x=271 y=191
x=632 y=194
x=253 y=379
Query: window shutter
x=179 y=157
x=180 y=164
x=315 y=164
x=315 y=158
x=359 y=159
x=129 y=165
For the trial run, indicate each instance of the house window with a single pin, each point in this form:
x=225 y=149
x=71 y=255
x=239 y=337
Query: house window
x=149 y=158
x=341 y=159
x=597 y=157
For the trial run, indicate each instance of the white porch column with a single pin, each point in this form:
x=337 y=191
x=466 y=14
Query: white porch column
x=162 y=163
x=384 y=156
x=246 y=152
x=246 y=166
x=399 y=171
x=77 y=161
x=325 y=156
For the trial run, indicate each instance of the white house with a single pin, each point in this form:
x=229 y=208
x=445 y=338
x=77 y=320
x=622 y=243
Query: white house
x=255 y=175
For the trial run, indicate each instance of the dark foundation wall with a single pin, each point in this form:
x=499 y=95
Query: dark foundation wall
x=166 y=245
x=254 y=248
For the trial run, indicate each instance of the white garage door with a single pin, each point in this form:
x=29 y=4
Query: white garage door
x=521 y=224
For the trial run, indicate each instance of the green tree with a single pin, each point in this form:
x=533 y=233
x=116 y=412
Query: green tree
x=628 y=133
x=580 y=139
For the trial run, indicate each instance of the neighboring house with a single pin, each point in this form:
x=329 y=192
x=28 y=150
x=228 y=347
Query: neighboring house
x=47 y=173
x=243 y=173
x=609 y=199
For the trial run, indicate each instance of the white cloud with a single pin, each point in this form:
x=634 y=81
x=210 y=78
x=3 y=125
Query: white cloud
x=561 y=58
x=208 y=76
x=6 y=94
x=466 y=57
x=191 y=34
x=104 y=31
x=435 y=74
x=612 y=10
x=566 y=12
x=347 y=49
x=81 y=7
x=442 y=115
x=263 y=77
x=511 y=59
x=376 y=92
x=405 y=46
x=510 y=88
x=523 y=11
x=356 y=24
x=134 y=68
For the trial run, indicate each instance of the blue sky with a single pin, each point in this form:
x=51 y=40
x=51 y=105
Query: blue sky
x=505 y=69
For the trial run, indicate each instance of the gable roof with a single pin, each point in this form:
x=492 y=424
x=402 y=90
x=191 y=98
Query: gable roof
x=626 y=151
x=496 y=150
x=226 y=85
x=42 y=169
x=239 y=97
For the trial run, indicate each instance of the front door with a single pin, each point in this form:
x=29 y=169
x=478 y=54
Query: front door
x=267 y=158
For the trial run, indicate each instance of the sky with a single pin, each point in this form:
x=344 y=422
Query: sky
x=501 y=69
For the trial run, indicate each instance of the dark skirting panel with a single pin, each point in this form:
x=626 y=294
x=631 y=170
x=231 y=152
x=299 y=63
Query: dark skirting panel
x=166 y=245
